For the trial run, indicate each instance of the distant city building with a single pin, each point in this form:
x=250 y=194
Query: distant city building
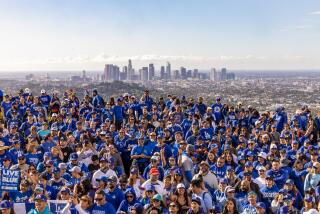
x=130 y=71
x=221 y=75
x=151 y=71
x=176 y=74
x=195 y=73
x=162 y=73
x=144 y=74
x=183 y=73
x=168 y=71
x=189 y=74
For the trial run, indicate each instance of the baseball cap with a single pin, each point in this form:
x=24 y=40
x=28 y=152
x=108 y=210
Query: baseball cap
x=157 y=197
x=154 y=171
x=223 y=180
x=113 y=178
x=62 y=165
x=248 y=164
x=40 y=198
x=5 y=205
x=181 y=185
x=73 y=156
x=289 y=181
x=262 y=155
x=75 y=169
x=65 y=190
x=103 y=178
x=196 y=199
x=56 y=170
x=134 y=171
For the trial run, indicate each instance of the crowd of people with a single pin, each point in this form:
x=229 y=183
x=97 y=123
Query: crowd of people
x=147 y=155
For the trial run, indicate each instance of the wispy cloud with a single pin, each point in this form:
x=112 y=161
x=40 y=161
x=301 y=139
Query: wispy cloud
x=315 y=12
x=105 y=58
x=296 y=27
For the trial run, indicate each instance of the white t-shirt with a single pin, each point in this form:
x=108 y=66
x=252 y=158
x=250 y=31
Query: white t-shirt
x=99 y=174
x=159 y=186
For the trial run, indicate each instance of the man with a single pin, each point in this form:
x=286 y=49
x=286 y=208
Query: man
x=209 y=178
x=261 y=180
x=279 y=175
x=41 y=206
x=103 y=171
x=114 y=195
x=185 y=161
x=57 y=182
x=205 y=197
x=219 y=168
x=153 y=181
x=252 y=205
x=154 y=163
x=101 y=206
x=21 y=165
x=269 y=191
x=97 y=100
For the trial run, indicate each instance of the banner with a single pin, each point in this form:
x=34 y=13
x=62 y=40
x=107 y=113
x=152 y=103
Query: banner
x=55 y=206
x=10 y=180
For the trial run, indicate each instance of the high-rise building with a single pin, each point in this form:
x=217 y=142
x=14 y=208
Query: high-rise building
x=151 y=71
x=213 y=74
x=183 y=72
x=168 y=71
x=130 y=71
x=189 y=74
x=108 y=72
x=144 y=76
x=162 y=73
x=223 y=74
x=195 y=73
x=176 y=74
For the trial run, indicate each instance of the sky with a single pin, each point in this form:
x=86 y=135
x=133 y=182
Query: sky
x=58 y=35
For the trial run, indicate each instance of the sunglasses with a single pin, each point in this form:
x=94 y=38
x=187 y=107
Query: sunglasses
x=129 y=196
x=155 y=200
x=20 y=158
x=98 y=199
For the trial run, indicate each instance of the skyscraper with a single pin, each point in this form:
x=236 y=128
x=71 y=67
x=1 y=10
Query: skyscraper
x=144 y=76
x=168 y=71
x=162 y=73
x=183 y=72
x=151 y=71
x=130 y=70
x=223 y=74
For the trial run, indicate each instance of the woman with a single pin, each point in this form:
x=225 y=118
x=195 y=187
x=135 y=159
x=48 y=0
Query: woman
x=195 y=206
x=313 y=177
x=129 y=201
x=157 y=203
x=230 y=207
x=82 y=207
x=6 y=207
x=182 y=199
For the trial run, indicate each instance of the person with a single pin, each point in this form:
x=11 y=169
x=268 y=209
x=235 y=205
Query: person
x=114 y=195
x=230 y=207
x=82 y=206
x=199 y=192
x=41 y=206
x=128 y=201
x=6 y=207
x=103 y=171
x=154 y=181
x=313 y=177
x=196 y=207
x=101 y=206
x=210 y=179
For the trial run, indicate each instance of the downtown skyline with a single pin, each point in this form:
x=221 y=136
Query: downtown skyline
x=76 y=35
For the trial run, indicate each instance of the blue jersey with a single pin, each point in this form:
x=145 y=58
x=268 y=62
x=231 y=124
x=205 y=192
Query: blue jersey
x=107 y=208
x=268 y=194
x=118 y=112
x=220 y=172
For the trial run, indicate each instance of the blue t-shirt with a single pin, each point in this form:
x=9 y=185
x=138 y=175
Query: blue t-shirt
x=107 y=208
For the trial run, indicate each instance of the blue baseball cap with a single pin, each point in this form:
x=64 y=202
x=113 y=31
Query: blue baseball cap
x=40 y=198
x=56 y=170
x=5 y=205
x=248 y=164
x=223 y=180
x=74 y=156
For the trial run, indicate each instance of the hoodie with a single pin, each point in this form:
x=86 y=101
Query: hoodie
x=125 y=205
